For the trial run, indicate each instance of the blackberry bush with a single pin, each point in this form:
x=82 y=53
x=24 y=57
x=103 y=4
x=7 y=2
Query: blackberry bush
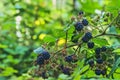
x=98 y=55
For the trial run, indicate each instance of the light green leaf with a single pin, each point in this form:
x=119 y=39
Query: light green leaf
x=100 y=41
x=115 y=66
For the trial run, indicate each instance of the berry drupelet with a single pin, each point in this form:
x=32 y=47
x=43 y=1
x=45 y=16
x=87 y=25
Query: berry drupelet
x=45 y=55
x=85 y=22
x=40 y=60
x=97 y=50
x=99 y=61
x=87 y=37
x=103 y=48
x=90 y=45
x=78 y=26
x=66 y=71
x=91 y=63
x=81 y=13
x=97 y=72
x=68 y=58
x=104 y=72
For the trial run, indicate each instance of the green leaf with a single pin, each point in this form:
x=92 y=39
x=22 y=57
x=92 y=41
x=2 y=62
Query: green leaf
x=49 y=38
x=100 y=41
x=117 y=51
x=115 y=66
x=62 y=77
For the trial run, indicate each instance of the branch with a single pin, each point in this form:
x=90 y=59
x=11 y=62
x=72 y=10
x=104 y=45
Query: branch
x=115 y=35
x=110 y=24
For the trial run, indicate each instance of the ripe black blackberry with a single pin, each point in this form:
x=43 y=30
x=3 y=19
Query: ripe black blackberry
x=40 y=60
x=97 y=71
x=90 y=45
x=45 y=55
x=97 y=50
x=104 y=72
x=68 y=58
x=66 y=71
x=103 y=48
x=81 y=13
x=78 y=26
x=85 y=22
x=91 y=63
x=99 y=61
x=87 y=37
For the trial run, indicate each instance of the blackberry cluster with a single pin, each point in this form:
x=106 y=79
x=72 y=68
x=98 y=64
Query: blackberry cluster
x=87 y=37
x=80 y=25
x=80 y=35
x=42 y=57
x=100 y=63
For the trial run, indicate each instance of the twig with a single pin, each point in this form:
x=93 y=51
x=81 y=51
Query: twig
x=110 y=24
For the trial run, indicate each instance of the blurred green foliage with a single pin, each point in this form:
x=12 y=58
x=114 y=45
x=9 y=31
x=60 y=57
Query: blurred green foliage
x=28 y=24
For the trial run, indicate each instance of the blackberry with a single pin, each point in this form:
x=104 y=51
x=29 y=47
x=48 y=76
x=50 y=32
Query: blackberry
x=46 y=55
x=78 y=26
x=40 y=60
x=81 y=12
x=85 y=22
x=103 y=48
x=85 y=39
x=97 y=72
x=97 y=50
x=66 y=71
x=99 y=61
x=91 y=63
x=43 y=75
x=88 y=35
x=103 y=72
x=90 y=45
x=68 y=58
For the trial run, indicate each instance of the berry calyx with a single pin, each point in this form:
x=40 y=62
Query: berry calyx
x=99 y=61
x=40 y=60
x=78 y=26
x=97 y=50
x=46 y=55
x=103 y=48
x=97 y=72
x=68 y=58
x=85 y=22
x=90 y=45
